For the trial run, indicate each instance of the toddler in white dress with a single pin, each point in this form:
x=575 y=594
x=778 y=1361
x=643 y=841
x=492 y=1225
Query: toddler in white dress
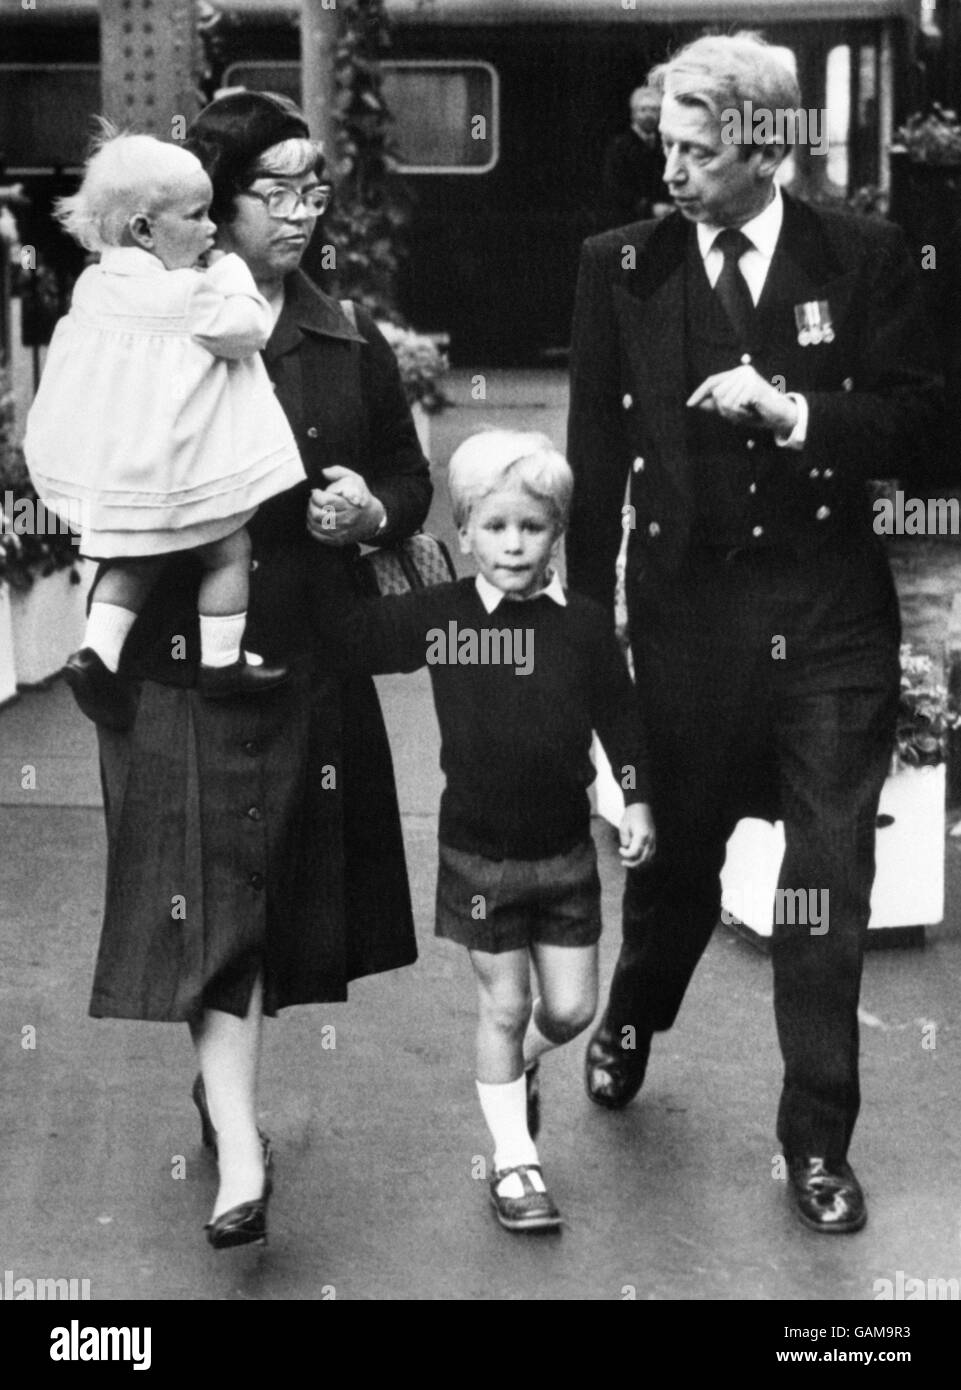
x=156 y=421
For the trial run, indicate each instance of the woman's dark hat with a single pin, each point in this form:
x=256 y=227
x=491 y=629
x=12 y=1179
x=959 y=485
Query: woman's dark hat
x=229 y=135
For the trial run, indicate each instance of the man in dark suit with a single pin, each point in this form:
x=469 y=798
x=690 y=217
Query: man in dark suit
x=633 y=175
x=747 y=363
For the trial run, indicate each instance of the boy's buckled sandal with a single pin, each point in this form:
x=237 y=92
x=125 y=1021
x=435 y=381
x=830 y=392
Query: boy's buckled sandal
x=534 y=1211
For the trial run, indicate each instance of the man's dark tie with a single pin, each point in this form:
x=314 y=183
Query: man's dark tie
x=731 y=287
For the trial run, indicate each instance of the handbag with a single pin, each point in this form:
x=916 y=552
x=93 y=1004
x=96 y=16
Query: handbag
x=419 y=562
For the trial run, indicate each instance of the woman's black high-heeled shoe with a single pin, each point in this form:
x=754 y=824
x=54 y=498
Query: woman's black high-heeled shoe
x=245 y=1224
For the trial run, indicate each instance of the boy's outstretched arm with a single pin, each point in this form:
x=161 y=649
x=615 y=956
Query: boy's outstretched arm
x=375 y=636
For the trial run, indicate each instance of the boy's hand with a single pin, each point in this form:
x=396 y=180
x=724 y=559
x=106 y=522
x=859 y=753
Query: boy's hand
x=638 y=837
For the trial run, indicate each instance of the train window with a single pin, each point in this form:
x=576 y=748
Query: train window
x=446 y=116
x=446 y=113
x=45 y=112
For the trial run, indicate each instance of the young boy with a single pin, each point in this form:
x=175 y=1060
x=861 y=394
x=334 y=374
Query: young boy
x=521 y=674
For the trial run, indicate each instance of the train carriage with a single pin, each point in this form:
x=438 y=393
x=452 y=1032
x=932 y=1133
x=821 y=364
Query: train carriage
x=502 y=111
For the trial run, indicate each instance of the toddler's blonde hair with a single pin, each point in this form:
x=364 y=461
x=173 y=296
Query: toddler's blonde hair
x=126 y=174
x=489 y=459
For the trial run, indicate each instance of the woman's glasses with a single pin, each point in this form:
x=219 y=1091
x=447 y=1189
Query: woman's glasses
x=284 y=202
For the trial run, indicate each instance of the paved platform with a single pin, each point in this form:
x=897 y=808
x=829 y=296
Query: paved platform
x=380 y=1145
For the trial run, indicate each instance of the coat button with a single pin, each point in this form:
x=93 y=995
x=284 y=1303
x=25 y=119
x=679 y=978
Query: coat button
x=749 y=444
x=752 y=489
x=254 y=565
x=829 y=472
x=823 y=513
x=758 y=531
x=638 y=465
x=745 y=359
x=848 y=383
x=815 y=473
x=255 y=813
x=654 y=529
x=256 y=880
x=312 y=432
x=627 y=400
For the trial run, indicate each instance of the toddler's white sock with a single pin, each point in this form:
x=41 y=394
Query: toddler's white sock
x=220 y=638
x=107 y=627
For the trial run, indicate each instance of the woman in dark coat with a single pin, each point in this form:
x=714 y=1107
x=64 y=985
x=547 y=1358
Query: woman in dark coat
x=255 y=857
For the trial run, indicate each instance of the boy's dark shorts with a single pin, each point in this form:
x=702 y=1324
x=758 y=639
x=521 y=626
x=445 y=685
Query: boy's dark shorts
x=555 y=901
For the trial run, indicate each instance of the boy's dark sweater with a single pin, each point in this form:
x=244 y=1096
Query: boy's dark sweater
x=514 y=747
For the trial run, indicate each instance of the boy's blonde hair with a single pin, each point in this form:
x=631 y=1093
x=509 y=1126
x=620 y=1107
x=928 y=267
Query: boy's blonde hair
x=126 y=174
x=491 y=458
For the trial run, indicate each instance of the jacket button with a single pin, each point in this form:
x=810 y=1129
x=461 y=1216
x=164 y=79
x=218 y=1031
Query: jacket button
x=848 y=383
x=654 y=529
x=815 y=473
x=627 y=400
x=254 y=565
x=829 y=472
x=752 y=489
x=758 y=531
x=255 y=813
x=823 y=513
x=256 y=880
x=638 y=465
x=749 y=444
x=745 y=359
x=312 y=432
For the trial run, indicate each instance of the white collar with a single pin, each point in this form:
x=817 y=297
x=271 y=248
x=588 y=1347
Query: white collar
x=491 y=596
x=762 y=231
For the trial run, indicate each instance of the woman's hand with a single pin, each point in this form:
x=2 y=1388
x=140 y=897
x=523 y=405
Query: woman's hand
x=637 y=836
x=345 y=512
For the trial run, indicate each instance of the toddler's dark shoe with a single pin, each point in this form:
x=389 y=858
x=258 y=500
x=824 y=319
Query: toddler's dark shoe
x=103 y=696
x=241 y=678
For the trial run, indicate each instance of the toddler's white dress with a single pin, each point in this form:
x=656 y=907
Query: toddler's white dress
x=156 y=425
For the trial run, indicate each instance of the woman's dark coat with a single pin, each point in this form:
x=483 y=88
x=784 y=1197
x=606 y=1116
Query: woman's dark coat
x=265 y=830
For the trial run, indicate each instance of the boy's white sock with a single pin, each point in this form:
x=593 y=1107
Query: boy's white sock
x=107 y=627
x=220 y=638
x=505 y=1110
x=535 y=1044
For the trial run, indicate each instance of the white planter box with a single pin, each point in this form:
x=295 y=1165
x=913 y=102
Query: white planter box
x=48 y=622
x=909 y=882
x=8 y=667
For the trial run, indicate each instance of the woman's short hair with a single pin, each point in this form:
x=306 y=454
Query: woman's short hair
x=723 y=71
x=126 y=174
x=242 y=136
x=491 y=459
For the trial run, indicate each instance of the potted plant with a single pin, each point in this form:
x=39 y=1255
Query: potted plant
x=908 y=891
x=422 y=365
x=926 y=174
x=40 y=574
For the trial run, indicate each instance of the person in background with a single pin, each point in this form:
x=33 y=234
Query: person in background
x=633 y=177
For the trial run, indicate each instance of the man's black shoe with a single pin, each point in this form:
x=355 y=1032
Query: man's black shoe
x=103 y=696
x=828 y=1196
x=615 y=1074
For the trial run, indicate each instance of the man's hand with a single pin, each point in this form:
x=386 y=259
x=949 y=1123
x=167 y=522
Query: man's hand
x=345 y=512
x=638 y=840
x=742 y=397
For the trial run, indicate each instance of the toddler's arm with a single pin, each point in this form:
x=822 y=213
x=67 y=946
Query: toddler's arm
x=227 y=314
